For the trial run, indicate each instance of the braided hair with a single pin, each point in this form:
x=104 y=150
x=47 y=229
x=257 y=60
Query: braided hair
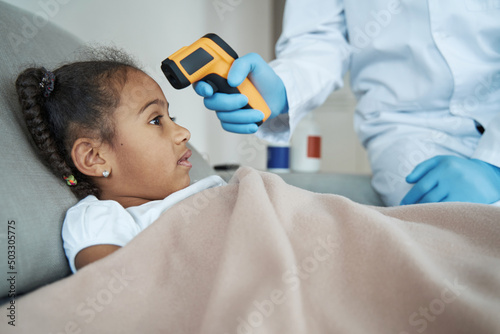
x=76 y=100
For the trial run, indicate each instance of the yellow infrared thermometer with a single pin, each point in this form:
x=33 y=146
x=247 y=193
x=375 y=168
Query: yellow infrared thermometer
x=209 y=59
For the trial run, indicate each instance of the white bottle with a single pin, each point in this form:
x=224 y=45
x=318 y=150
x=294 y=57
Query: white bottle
x=305 y=146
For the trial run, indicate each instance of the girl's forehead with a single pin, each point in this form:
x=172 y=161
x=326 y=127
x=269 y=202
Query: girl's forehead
x=138 y=90
x=137 y=79
x=139 y=85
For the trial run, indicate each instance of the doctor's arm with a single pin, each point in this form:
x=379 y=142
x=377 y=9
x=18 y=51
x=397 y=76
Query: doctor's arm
x=312 y=58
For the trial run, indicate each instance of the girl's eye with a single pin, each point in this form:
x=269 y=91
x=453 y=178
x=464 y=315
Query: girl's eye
x=172 y=119
x=156 y=120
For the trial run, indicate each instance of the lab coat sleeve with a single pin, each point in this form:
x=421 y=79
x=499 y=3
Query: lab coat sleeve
x=488 y=149
x=312 y=56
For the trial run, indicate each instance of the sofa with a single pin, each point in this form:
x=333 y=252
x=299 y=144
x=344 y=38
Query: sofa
x=33 y=201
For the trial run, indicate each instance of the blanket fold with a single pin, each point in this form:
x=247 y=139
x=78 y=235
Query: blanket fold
x=261 y=256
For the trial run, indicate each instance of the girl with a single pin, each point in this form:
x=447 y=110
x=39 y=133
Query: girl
x=103 y=125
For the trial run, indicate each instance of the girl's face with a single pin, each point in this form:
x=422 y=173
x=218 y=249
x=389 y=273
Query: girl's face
x=148 y=160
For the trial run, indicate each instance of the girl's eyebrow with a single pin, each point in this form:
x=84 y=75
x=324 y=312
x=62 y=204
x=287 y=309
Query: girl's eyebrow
x=155 y=101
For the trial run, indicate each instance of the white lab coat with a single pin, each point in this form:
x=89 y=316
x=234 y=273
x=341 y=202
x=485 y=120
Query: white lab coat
x=422 y=71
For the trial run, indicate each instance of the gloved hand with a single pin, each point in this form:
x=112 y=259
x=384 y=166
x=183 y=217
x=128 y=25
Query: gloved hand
x=228 y=106
x=452 y=179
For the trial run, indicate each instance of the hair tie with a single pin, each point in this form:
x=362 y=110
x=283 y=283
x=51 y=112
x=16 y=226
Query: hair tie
x=48 y=82
x=70 y=180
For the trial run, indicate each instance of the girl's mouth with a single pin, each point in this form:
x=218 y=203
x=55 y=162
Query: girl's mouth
x=183 y=161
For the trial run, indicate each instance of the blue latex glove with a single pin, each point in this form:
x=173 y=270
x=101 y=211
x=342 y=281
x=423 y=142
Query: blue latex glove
x=453 y=179
x=228 y=106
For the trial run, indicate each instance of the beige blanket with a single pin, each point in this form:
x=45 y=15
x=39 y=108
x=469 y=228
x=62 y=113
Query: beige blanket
x=261 y=256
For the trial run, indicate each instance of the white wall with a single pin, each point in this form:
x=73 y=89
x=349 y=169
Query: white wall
x=341 y=150
x=151 y=30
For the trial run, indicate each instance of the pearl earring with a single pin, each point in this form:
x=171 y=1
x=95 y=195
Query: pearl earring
x=105 y=173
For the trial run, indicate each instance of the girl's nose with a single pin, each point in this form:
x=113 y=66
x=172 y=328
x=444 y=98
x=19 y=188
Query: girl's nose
x=181 y=134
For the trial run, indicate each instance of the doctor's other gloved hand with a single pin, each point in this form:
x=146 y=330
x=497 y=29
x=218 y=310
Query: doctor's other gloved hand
x=229 y=106
x=453 y=179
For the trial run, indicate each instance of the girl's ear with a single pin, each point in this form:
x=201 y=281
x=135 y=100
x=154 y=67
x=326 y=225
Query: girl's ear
x=88 y=158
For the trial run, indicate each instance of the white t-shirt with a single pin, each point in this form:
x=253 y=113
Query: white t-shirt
x=95 y=222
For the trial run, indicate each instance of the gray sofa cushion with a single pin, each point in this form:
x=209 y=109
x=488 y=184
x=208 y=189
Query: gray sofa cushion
x=30 y=194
